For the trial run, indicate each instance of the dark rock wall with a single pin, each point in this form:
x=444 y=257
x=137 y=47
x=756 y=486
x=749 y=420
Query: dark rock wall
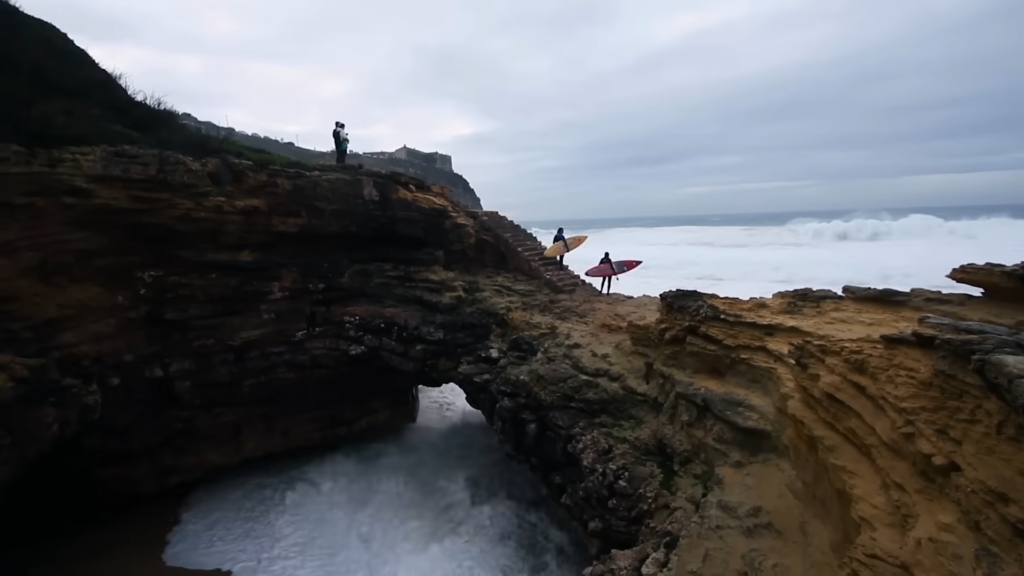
x=176 y=317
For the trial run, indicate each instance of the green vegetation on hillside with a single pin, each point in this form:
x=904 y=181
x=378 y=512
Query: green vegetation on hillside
x=272 y=145
x=54 y=94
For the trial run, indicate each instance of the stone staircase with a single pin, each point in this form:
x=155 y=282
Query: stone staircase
x=527 y=254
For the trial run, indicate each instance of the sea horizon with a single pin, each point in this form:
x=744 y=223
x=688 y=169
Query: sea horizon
x=779 y=218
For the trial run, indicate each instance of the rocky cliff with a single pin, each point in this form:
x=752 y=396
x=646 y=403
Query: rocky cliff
x=461 y=191
x=873 y=432
x=163 y=318
x=176 y=316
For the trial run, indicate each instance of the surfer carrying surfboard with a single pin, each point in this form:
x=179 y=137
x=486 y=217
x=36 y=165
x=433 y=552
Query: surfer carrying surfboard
x=560 y=237
x=608 y=268
x=606 y=261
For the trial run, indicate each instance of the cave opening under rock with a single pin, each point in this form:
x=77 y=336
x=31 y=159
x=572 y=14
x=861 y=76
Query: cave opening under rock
x=61 y=508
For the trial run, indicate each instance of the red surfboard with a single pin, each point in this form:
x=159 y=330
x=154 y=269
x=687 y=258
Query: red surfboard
x=617 y=267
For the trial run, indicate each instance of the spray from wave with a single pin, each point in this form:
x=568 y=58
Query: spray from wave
x=440 y=500
x=912 y=227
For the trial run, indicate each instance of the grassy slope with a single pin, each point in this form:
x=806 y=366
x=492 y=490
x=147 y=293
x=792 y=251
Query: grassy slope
x=54 y=94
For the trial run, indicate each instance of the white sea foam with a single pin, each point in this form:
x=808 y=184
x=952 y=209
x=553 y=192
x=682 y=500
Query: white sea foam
x=916 y=251
x=441 y=500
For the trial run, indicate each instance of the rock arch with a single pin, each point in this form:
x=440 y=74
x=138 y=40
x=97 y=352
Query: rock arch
x=159 y=327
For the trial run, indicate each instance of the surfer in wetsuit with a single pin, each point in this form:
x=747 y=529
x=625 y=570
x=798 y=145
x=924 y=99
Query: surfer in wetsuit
x=606 y=261
x=560 y=237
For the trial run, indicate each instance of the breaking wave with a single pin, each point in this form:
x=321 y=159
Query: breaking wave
x=912 y=227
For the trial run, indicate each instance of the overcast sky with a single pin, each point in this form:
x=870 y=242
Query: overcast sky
x=591 y=108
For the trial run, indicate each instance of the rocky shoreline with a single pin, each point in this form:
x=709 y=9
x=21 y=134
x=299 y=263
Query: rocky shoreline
x=165 y=318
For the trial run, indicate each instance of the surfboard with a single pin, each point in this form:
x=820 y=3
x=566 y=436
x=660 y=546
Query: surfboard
x=617 y=267
x=558 y=248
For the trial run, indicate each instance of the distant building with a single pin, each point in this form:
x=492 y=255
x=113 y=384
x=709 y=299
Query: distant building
x=442 y=161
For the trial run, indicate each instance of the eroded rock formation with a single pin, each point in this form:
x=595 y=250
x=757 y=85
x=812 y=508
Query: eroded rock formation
x=167 y=318
x=176 y=317
x=998 y=281
x=811 y=433
x=816 y=434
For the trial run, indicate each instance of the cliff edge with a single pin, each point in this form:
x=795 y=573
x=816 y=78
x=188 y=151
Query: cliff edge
x=462 y=192
x=164 y=318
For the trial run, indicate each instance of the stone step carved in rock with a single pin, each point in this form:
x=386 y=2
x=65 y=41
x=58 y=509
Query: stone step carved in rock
x=526 y=248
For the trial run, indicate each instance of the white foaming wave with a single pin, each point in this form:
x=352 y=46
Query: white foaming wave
x=916 y=251
x=441 y=500
x=879 y=226
x=912 y=227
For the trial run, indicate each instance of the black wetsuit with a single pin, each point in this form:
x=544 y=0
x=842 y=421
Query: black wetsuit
x=561 y=238
x=606 y=261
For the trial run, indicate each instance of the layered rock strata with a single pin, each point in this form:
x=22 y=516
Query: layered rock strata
x=811 y=433
x=167 y=318
x=175 y=317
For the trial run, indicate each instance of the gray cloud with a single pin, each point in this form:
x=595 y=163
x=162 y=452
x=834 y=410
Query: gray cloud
x=600 y=108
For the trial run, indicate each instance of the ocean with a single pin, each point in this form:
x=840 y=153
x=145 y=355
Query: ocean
x=756 y=255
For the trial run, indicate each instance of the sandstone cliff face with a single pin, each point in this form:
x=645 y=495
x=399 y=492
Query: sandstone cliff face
x=163 y=318
x=998 y=282
x=876 y=432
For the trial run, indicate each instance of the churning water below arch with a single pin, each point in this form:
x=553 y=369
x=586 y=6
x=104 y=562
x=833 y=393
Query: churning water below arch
x=439 y=499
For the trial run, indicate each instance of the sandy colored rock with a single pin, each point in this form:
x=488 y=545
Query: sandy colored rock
x=788 y=439
x=997 y=280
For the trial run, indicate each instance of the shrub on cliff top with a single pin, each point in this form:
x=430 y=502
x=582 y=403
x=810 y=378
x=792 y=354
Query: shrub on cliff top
x=55 y=94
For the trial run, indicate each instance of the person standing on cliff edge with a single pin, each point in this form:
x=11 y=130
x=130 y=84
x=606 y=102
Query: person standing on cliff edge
x=340 y=142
